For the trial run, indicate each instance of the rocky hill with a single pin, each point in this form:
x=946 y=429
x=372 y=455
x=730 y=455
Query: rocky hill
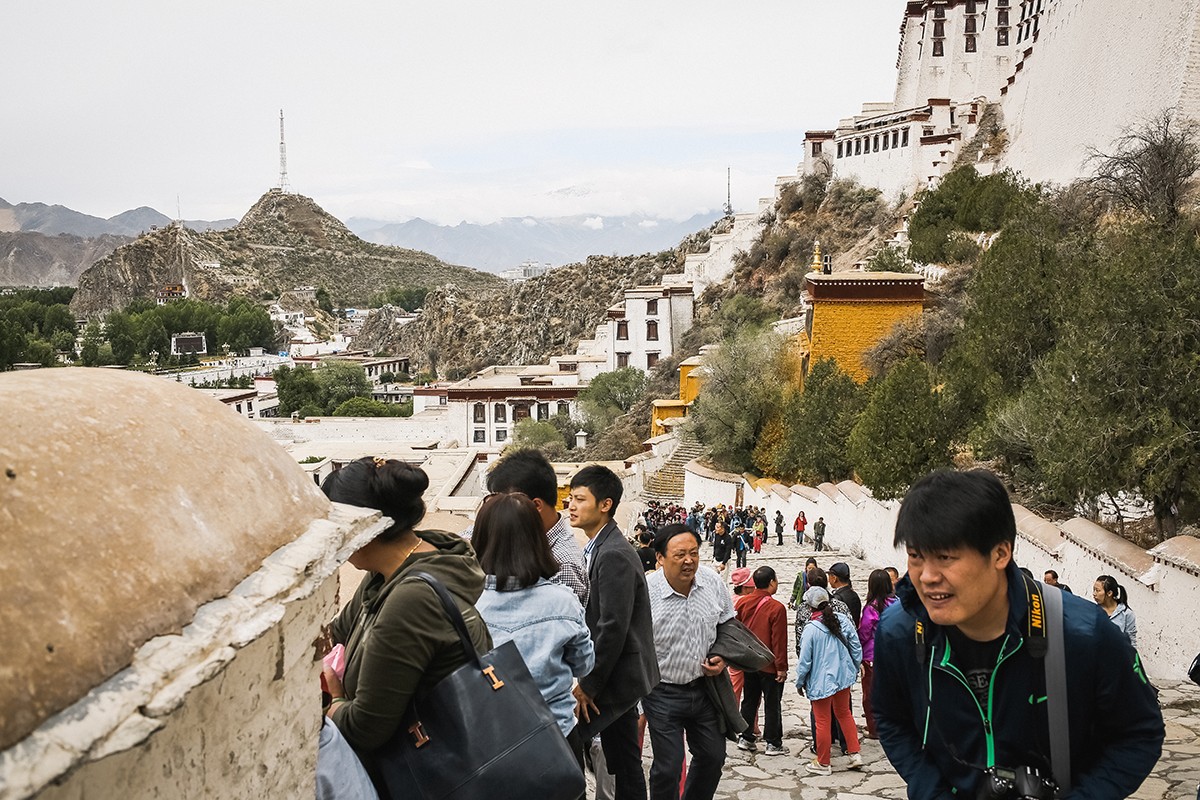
x=283 y=241
x=525 y=323
x=34 y=259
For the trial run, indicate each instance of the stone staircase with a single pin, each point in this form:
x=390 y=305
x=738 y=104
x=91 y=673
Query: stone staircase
x=666 y=485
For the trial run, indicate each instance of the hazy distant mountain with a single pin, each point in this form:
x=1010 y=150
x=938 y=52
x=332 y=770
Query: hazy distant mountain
x=44 y=245
x=513 y=240
x=56 y=219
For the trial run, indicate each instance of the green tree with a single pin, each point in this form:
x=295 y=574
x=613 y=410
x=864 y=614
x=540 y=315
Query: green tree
x=611 y=394
x=541 y=435
x=12 y=341
x=323 y=301
x=121 y=333
x=340 y=381
x=741 y=389
x=899 y=436
x=299 y=391
x=93 y=337
x=963 y=201
x=818 y=424
x=1107 y=410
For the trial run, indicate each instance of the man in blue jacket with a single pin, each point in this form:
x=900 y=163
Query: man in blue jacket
x=960 y=682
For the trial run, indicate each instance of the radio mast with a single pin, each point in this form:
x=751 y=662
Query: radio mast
x=283 y=178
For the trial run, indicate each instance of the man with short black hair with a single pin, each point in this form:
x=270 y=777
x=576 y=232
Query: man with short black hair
x=1051 y=579
x=766 y=618
x=687 y=603
x=618 y=616
x=529 y=471
x=960 y=687
x=842 y=589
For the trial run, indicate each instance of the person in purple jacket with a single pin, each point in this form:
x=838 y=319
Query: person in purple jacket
x=879 y=597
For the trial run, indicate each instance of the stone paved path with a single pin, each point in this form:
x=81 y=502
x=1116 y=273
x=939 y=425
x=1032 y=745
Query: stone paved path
x=760 y=777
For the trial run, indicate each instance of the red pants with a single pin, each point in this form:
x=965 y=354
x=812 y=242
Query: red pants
x=839 y=705
x=868 y=673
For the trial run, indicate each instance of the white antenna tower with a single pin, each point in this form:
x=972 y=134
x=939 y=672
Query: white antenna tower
x=283 y=178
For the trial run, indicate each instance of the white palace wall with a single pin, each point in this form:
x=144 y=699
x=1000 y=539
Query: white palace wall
x=1161 y=582
x=1098 y=67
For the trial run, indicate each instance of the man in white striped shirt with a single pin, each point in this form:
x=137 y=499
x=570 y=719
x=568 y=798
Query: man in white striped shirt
x=687 y=602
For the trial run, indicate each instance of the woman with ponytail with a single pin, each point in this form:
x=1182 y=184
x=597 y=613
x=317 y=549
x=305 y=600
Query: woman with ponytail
x=879 y=597
x=398 y=640
x=830 y=655
x=1111 y=596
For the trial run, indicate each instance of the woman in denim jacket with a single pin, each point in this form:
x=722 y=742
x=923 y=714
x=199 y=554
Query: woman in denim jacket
x=519 y=602
x=830 y=655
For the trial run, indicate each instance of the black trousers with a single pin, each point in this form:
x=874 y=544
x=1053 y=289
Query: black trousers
x=762 y=685
x=623 y=754
x=673 y=710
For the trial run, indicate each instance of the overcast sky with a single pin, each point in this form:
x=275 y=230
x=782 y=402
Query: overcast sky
x=449 y=111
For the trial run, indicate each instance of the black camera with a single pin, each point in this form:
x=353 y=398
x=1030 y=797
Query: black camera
x=1020 y=783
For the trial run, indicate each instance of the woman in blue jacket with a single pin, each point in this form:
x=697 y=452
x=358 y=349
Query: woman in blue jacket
x=520 y=603
x=830 y=655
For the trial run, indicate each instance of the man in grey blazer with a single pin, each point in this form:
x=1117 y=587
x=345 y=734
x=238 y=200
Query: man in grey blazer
x=618 y=616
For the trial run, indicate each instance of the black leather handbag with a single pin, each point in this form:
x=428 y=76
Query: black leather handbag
x=484 y=732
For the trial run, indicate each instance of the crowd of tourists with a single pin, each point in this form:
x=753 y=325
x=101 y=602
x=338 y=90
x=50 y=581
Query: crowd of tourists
x=663 y=638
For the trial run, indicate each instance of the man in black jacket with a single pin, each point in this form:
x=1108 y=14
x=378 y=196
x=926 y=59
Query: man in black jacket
x=618 y=616
x=841 y=588
x=960 y=676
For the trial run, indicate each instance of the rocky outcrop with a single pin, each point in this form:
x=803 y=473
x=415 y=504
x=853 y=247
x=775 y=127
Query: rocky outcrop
x=524 y=323
x=283 y=241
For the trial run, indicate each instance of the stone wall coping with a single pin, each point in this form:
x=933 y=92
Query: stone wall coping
x=1180 y=551
x=704 y=471
x=807 y=492
x=126 y=709
x=1109 y=547
x=829 y=490
x=1043 y=534
x=854 y=492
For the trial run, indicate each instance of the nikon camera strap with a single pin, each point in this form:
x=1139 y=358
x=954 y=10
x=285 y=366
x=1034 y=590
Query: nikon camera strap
x=1056 y=690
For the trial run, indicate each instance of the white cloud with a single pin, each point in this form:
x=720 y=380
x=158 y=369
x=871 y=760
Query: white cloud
x=648 y=223
x=529 y=222
x=594 y=223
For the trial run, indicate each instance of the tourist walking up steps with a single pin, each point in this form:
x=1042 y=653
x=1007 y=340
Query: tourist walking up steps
x=688 y=601
x=1111 y=597
x=618 y=616
x=766 y=618
x=819 y=534
x=830 y=655
x=879 y=597
x=779 y=528
x=798 y=526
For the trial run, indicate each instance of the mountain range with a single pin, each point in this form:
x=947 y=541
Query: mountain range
x=53 y=220
x=514 y=240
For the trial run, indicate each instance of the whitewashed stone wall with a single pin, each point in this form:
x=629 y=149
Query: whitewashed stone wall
x=226 y=708
x=1097 y=68
x=437 y=425
x=1163 y=583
